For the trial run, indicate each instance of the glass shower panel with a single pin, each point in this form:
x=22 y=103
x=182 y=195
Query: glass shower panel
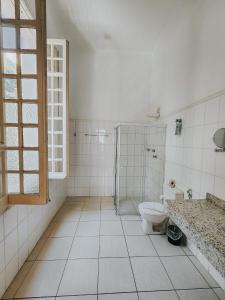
x=139 y=166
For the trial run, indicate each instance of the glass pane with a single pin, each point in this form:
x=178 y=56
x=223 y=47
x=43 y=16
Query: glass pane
x=30 y=160
x=58 y=83
x=58 y=66
x=27 y=9
x=30 y=113
x=28 y=64
x=58 y=125
x=49 y=82
x=58 y=139
x=10 y=88
x=31 y=183
x=30 y=137
x=8 y=9
x=58 y=152
x=49 y=50
x=10 y=63
x=58 y=97
x=1 y=178
x=11 y=136
x=49 y=65
x=9 y=37
x=58 y=166
x=13 y=183
x=50 y=166
x=29 y=89
x=11 y=113
x=12 y=160
x=58 y=111
x=27 y=38
x=58 y=51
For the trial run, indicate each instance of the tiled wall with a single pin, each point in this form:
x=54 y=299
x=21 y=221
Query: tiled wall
x=154 y=166
x=190 y=157
x=91 y=158
x=141 y=173
x=20 y=229
x=131 y=162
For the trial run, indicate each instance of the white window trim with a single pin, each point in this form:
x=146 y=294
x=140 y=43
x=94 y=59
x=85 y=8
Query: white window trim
x=63 y=174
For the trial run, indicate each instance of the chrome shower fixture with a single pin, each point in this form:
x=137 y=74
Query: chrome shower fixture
x=178 y=127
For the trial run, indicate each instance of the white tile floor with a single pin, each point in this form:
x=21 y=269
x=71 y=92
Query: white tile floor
x=89 y=253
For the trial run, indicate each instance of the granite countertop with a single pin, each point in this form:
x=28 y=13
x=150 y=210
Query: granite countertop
x=203 y=222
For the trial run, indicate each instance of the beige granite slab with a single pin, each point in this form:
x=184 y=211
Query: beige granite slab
x=203 y=222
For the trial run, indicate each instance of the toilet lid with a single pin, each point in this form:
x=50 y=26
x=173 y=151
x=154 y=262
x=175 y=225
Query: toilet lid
x=152 y=208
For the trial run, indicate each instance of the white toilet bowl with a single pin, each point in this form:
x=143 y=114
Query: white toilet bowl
x=152 y=213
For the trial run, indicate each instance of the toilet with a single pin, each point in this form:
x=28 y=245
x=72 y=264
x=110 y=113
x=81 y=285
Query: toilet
x=153 y=214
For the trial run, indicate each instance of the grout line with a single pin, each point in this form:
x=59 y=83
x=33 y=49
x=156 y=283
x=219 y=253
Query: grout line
x=129 y=259
x=63 y=272
x=149 y=236
x=99 y=251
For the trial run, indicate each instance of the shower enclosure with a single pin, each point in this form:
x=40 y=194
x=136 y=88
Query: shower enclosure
x=139 y=165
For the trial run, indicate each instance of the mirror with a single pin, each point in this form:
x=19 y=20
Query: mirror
x=219 y=138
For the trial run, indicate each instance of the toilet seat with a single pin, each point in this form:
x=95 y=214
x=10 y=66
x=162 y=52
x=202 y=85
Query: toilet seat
x=151 y=213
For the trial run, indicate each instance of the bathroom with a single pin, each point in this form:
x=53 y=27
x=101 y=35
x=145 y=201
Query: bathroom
x=111 y=134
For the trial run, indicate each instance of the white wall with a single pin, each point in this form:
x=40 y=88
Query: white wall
x=91 y=158
x=188 y=60
x=188 y=67
x=109 y=85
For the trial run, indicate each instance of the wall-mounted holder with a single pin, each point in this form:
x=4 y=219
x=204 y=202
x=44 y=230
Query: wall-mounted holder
x=178 y=127
x=219 y=140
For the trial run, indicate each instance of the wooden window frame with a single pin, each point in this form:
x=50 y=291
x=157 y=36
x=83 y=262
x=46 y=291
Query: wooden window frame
x=39 y=23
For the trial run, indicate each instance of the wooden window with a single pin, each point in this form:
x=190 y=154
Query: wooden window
x=57 y=107
x=23 y=100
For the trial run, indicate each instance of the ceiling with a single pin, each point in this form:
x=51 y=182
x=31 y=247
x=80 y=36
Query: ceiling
x=125 y=25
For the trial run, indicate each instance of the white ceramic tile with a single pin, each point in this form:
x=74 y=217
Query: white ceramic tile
x=1 y=228
x=111 y=228
x=205 y=294
x=88 y=229
x=91 y=297
x=113 y=246
x=115 y=275
x=105 y=205
x=189 y=279
x=168 y=295
x=220 y=293
x=2 y=256
x=140 y=246
x=80 y=277
x=109 y=215
x=11 y=270
x=63 y=229
x=212 y=111
x=42 y=280
x=132 y=228
x=124 y=296
x=34 y=253
x=55 y=248
x=10 y=219
x=18 y=280
x=219 y=189
x=2 y=283
x=149 y=274
x=204 y=272
x=164 y=248
x=11 y=246
x=85 y=247
x=91 y=215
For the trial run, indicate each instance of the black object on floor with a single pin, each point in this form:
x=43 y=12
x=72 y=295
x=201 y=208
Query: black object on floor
x=174 y=235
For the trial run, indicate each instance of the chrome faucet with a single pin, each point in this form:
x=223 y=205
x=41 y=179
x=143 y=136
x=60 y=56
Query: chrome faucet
x=189 y=193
